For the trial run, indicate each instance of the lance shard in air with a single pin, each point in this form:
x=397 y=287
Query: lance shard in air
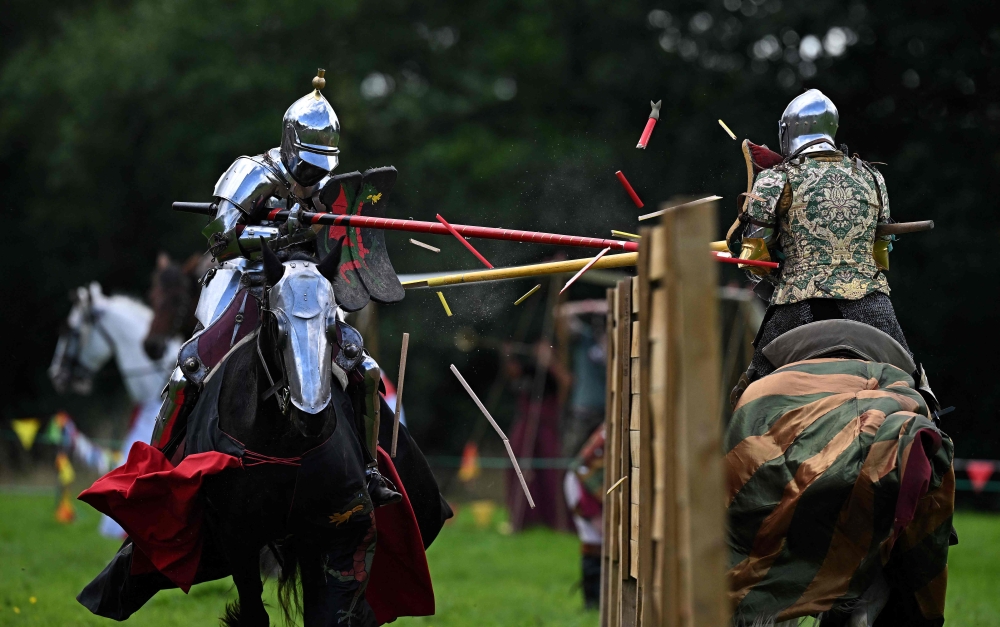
x=650 y=123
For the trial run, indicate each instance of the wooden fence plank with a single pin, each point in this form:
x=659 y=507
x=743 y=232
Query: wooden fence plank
x=608 y=477
x=613 y=470
x=645 y=607
x=664 y=527
x=623 y=332
x=698 y=407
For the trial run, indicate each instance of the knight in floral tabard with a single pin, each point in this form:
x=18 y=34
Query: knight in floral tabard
x=815 y=209
x=295 y=176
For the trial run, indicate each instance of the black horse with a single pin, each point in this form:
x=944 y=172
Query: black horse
x=301 y=488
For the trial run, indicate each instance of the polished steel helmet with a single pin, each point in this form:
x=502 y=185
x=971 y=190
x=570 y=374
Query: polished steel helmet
x=309 y=136
x=808 y=117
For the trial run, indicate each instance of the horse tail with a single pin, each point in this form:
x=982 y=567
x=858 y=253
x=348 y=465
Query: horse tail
x=232 y=617
x=289 y=582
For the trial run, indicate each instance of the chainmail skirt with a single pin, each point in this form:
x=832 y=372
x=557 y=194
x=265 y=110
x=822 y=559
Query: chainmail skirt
x=874 y=310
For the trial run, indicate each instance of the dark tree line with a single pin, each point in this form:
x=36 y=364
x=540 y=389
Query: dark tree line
x=499 y=113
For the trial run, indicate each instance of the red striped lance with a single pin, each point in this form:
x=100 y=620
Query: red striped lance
x=436 y=228
x=483 y=232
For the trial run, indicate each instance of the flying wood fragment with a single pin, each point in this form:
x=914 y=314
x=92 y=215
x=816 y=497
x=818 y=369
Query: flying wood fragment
x=726 y=128
x=584 y=269
x=506 y=442
x=650 y=123
x=423 y=245
x=628 y=188
x=464 y=241
x=659 y=213
x=444 y=304
x=399 y=393
x=525 y=297
x=625 y=234
x=617 y=483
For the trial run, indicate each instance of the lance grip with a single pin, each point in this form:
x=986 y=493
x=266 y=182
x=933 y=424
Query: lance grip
x=899 y=228
x=204 y=208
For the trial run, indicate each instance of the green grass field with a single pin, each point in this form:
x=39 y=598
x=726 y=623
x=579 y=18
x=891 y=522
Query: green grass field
x=481 y=577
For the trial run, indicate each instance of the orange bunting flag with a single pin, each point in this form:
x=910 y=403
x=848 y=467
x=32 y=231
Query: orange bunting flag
x=469 y=469
x=65 y=513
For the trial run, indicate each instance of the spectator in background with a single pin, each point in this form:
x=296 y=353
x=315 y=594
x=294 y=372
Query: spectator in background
x=542 y=384
x=584 y=488
x=588 y=361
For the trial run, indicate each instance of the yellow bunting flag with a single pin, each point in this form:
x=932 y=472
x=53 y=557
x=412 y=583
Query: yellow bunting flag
x=65 y=469
x=26 y=430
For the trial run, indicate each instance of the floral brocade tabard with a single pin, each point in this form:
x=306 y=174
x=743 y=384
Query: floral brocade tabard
x=826 y=208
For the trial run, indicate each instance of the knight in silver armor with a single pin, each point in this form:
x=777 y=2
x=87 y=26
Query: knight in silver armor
x=291 y=177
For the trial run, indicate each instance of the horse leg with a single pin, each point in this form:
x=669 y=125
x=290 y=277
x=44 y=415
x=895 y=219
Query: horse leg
x=334 y=579
x=249 y=610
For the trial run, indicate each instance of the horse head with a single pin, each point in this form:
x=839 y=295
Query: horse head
x=302 y=315
x=83 y=346
x=172 y=297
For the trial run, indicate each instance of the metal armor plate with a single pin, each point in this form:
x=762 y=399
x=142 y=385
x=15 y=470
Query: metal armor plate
x=248 y=184
x=350 y=347
x=218 y=288
x=302 y=301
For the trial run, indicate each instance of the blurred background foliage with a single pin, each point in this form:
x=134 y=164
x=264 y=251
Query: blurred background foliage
x=495 y=112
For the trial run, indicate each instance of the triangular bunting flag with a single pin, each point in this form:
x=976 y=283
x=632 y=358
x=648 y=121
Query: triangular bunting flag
x=26 y=429
x=54 y=432
x=65 y=469
x=469 y=469
x=979 y=471
x=65 y=513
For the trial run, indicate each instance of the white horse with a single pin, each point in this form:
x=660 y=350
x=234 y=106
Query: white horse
x=100 y=327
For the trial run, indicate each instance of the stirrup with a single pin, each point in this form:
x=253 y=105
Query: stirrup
x=379 y=488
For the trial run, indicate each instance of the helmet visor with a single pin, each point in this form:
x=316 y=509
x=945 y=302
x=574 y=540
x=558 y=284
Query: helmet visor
x=326 y=160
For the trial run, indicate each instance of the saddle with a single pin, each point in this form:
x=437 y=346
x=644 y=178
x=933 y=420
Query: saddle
x=838 y=338
x=203 y=352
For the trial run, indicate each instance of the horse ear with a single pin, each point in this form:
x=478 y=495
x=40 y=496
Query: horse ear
x=328 y=267
x=163 y=261
x=273 y=269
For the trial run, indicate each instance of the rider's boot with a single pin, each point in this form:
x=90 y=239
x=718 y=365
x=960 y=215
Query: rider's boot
x=378 y=487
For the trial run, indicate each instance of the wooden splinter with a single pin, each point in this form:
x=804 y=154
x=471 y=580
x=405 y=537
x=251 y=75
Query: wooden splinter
x=506 y=442
x=399 y=393
x=444 y=304
x=617 y=483
x=417 y=242
x=727 y=129
x=584 y=269
x=525 y=297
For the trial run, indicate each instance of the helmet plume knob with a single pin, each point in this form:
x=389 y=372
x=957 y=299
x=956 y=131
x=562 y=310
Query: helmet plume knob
x=319 y=82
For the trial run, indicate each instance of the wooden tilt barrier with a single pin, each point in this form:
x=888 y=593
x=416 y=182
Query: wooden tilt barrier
x=664 y=559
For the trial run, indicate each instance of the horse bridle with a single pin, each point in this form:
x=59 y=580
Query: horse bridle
x=71 y=355
x=279 y=389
